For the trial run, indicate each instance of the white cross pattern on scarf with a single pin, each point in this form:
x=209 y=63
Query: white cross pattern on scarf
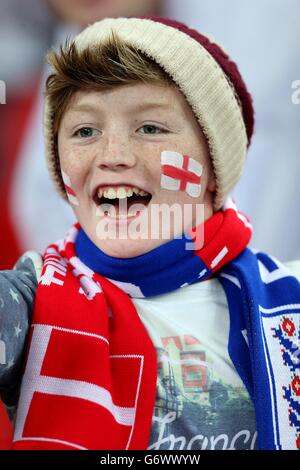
x=34 y=381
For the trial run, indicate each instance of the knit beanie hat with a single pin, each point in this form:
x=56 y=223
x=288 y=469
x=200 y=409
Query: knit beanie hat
x=203 y=72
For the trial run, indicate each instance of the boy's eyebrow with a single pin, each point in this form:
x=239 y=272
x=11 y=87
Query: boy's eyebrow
x=83 y=107
x=145 y=106
x=138 y=107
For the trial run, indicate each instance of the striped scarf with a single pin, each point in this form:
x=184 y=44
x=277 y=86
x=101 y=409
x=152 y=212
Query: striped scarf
x=91 y=366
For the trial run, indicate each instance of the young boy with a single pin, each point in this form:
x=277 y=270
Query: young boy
x=152 y=323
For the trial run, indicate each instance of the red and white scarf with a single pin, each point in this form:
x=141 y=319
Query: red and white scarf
x=91 y=368
x=90 y=376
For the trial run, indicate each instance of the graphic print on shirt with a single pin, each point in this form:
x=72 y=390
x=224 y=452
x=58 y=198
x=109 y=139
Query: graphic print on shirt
x=196 y=408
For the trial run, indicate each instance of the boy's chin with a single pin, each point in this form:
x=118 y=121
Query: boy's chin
x=127 y=248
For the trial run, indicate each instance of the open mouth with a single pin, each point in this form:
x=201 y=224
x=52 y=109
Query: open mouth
x=121 y=202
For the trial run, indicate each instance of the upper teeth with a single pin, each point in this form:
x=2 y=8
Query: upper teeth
x=121 y=192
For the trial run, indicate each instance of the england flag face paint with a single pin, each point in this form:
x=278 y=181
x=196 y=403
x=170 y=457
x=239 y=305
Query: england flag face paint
x=70 y=193
x=180 y=173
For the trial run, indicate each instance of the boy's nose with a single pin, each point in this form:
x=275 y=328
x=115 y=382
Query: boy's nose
x=115 y=163
x=116 y=156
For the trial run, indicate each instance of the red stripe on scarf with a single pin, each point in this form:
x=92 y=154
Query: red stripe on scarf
x=226 y=235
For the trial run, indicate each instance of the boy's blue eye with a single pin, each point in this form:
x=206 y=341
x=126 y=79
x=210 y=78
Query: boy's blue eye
x=152 y=129
x=85 y=132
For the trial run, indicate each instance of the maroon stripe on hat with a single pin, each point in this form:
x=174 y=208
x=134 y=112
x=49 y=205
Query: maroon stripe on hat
x=227 y=65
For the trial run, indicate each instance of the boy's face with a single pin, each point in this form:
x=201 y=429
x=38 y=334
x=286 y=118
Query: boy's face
x=143 y=136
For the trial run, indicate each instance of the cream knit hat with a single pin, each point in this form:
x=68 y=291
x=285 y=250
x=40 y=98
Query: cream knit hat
x=206 y=76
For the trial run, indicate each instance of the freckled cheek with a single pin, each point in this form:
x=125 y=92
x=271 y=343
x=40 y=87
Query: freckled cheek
x=75 y=165
x=154 y=170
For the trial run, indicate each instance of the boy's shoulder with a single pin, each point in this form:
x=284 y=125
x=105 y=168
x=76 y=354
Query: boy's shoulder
x=32 y=262
x=17 y=293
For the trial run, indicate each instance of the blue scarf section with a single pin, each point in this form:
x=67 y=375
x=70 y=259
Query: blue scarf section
x=264 y=307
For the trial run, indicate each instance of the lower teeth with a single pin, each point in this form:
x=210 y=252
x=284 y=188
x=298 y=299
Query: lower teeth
x=123 y=216
x=122 y=210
